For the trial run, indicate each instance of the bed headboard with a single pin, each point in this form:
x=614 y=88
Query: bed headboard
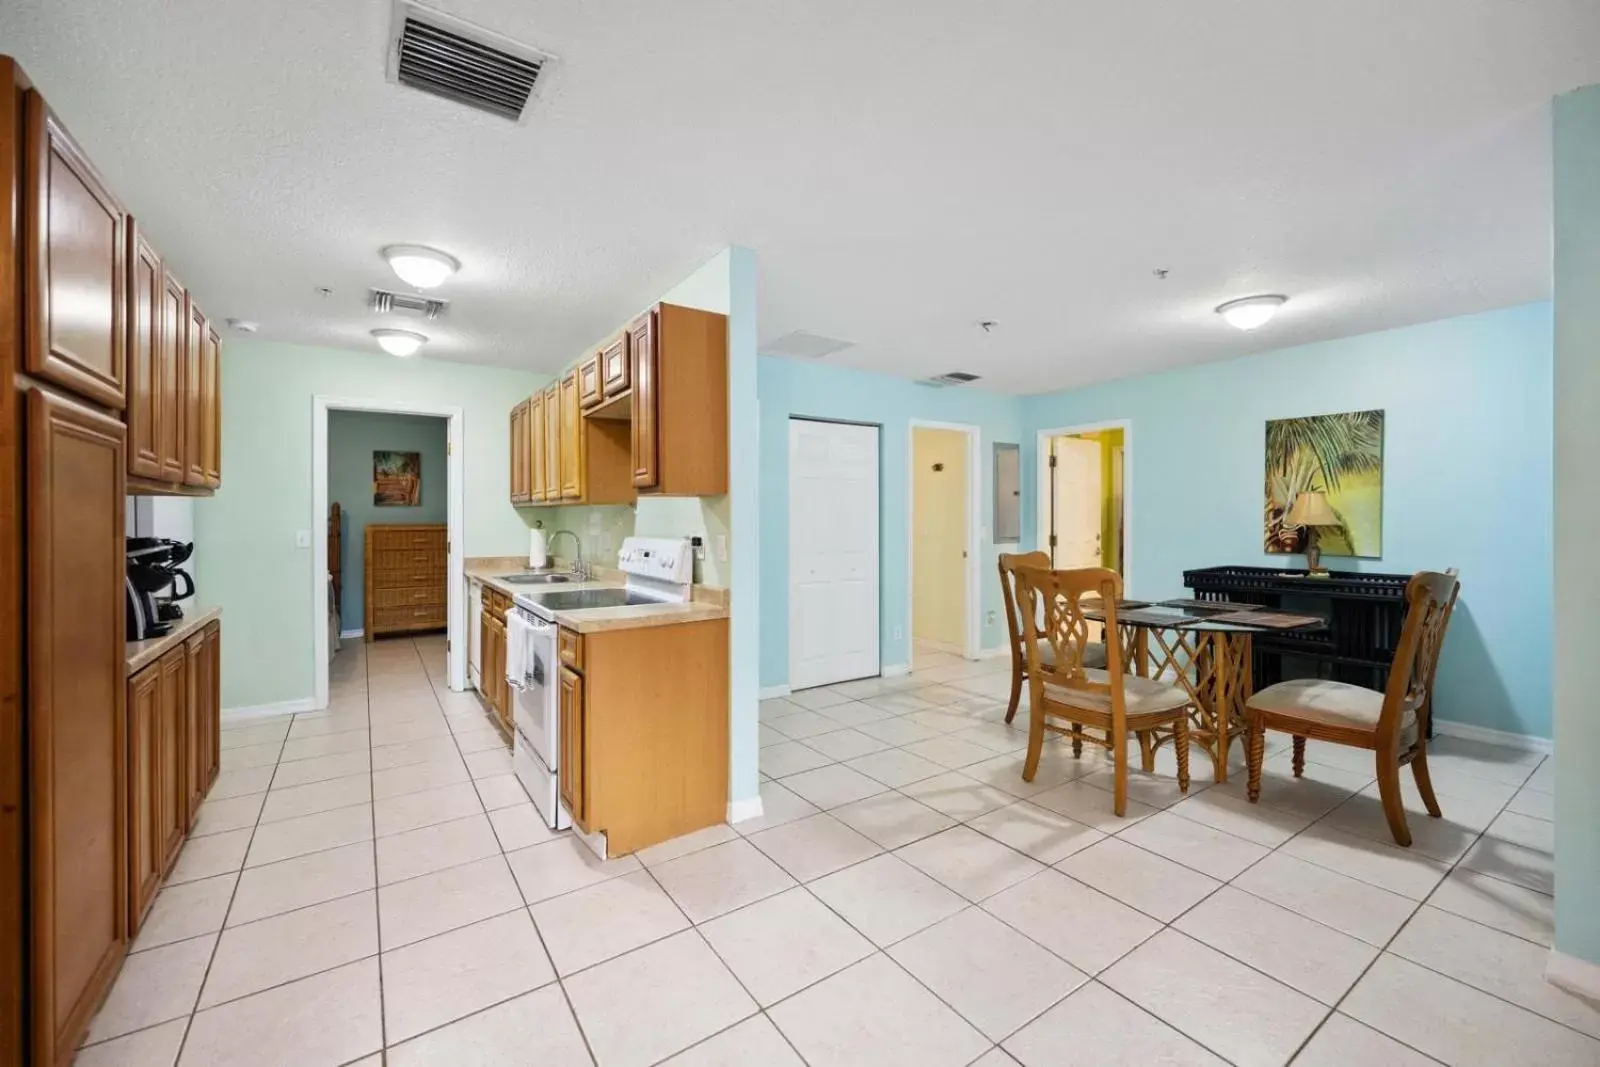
x=335 y=557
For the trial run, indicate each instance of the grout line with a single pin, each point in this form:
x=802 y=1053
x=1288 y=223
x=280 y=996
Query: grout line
x=377 y=904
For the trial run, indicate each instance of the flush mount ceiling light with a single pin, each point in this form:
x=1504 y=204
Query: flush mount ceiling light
x=399 y=342
x=1250 y=312
x=419 y=265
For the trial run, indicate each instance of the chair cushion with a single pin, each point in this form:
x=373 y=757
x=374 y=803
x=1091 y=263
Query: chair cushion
x=1094 y=654
x=1328 y=702
x=1140 y=696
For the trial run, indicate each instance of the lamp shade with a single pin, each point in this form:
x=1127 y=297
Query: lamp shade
x=1311 y=509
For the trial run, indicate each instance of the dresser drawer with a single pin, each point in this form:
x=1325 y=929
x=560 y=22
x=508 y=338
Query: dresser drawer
x=416 y=575
x=409 y=597
x=409 y=559
x=424 y=617
x=400 y=538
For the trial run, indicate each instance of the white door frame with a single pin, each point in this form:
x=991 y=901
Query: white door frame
x=1042 y=487
x=455 y=495
x=972 y=630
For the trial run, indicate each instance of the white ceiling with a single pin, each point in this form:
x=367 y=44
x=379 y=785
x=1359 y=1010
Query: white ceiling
x=903 y=170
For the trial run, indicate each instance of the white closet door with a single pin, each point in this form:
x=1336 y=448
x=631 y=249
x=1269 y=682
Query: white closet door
x=833 y=552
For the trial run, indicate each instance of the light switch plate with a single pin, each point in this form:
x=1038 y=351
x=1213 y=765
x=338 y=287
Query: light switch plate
x=302 y=539
x=722 y=547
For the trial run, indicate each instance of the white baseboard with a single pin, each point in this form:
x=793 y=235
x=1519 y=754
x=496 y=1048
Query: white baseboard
x=267 y=711
x=1504 y=738
x=894 y=670
x=1578 y=977
x=748 y=808
x=994 y=653
x=772 y=691
x=358 y=632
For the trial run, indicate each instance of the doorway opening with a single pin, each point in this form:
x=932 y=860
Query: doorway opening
x=385 y=463
x=942 y=555
x=1084 y=478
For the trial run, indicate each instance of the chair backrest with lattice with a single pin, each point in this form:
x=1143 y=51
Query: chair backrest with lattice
x=1430 y=600
x=1010 y=563
x=1056 y=599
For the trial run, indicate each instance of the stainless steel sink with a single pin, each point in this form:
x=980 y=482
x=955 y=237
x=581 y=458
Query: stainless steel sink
x=535 y=579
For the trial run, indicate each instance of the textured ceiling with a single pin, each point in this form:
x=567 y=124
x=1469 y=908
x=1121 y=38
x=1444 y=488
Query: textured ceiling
x=903 y=170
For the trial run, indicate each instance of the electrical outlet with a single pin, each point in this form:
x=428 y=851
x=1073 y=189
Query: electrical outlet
x=302 y=539
x=899 y=634
x=722 y=548
x=989 y=619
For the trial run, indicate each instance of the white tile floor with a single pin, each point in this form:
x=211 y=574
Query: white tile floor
x=369 y=885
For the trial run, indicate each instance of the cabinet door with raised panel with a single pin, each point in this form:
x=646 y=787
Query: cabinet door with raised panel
x=590 y=391
x=552 y=443
x=194 y=468
x=616 y=373
x=646 y=382
x=211 y=717
x=171 y=436
x=533 y=452
x=75 y=265
x=211 y=409
x=196 y=740
x=519 y=454
x=144 y=413
x=173 y=726
x=571 y=439
x=144 y=797
x=574 y=793
x=76 y=725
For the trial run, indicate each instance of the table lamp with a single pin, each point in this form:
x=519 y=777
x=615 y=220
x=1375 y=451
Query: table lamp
x=1310 y=511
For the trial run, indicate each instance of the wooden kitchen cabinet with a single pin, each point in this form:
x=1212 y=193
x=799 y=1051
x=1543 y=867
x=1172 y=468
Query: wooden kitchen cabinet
x=626 y=770
x=521 y=454
x=616 y=369
x=194 y=470
x=552 y=443
x=211 y=410
x=642 y=357
x=572 y=456
x=495 y=689
x=590 y=391
x=174 y=732
x=679 y=358
x=144 y=412
x=74 y=262
x=534 y=451
x=174 y=412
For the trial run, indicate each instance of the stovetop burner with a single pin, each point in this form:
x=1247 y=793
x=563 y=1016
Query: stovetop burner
x=580 y=599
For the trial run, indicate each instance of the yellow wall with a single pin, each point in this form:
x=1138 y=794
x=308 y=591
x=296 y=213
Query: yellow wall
x=938 y=534
x=1110 y=496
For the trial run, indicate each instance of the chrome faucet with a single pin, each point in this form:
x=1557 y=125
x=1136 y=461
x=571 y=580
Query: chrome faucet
x=579 y=567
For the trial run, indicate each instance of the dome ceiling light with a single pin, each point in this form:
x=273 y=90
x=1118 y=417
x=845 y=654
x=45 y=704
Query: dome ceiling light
x=1250 y=312
x=419 y=265
x=400 y=342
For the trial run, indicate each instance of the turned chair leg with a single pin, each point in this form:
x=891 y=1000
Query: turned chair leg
x=1181 y=741
x=1120 y=755
x=1016 y=694
x=1147 y=751
x=1077 y=740
x=1254 y=748
x=1394 y=808
x=1419 y=769
x=1299 y=756
x=1035 y=743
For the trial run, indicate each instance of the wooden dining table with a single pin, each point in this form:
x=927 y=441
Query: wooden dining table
x=1205 y=647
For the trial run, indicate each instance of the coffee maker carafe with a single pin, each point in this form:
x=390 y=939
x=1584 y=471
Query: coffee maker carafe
x=153 y=568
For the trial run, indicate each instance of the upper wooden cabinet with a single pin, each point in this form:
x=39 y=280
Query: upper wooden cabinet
x=211 y=409
x=521 y=454
x=534 y=453
x=552 y=443
x=680 y=401
x=571 y=439
x=144 y=410
x=172 y=361
x=589 y=391
x=194 y=470
x=642 y=352
x=616 y=370
x=75 y=273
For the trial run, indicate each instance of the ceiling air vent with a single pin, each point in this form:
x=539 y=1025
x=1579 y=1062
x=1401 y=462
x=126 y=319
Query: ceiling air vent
x=448 y=57
x=955 y=377
x=427 y=307
x=802 y=345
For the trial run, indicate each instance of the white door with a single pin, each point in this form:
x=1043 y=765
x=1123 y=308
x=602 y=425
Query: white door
x=1077 y=504
x=833 y=552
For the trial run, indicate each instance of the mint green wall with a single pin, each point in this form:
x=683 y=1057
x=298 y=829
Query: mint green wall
x=796 y=388
x=1577 y=516
x=245 y=534
x=352 y=438
x=1467 y=480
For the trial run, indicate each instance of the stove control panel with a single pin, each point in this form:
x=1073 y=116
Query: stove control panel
x=664 y=559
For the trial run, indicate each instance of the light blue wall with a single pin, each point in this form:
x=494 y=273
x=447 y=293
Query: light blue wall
x=1467 y=479
x=795 y=388
x=1577 y=479
x=352 y=438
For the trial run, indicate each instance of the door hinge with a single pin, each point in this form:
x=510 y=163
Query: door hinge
x=1052 y=460
x=1052 y=540
x=449 y=448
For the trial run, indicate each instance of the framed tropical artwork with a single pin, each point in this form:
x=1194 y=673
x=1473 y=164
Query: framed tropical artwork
x=396 y=479
x=1339 y=456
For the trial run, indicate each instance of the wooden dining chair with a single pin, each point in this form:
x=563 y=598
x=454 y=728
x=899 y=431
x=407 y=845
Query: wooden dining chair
x=1393 y=723
x=1009 y=563
x=1066 y=689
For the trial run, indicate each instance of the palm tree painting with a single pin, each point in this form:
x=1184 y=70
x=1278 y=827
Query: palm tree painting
x=1340 y=456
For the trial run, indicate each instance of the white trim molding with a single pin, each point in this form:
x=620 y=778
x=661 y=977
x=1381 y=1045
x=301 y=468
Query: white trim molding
x=1503 y=738
x=1578 y=977
x=455 y=513
x=747 y=808
x=972 y=625
x=894 y=670
x=772 y=691
x=266 y=711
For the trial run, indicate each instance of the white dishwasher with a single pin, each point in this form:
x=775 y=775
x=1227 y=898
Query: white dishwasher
x=536 y=748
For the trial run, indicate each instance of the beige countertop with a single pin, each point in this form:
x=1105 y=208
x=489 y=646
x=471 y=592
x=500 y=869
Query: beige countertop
x=143 y=653
x=708 y=603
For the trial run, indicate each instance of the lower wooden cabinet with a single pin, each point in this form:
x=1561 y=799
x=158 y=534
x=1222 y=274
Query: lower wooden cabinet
x=492 y=637
x=573 y=793
x=173 y=757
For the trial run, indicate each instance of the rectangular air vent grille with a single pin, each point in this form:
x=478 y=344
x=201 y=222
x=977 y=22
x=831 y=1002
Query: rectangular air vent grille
x=385 y=302
x=447 y=57
x=955 y=377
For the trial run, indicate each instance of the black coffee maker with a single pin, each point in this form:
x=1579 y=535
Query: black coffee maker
x=154 y=566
